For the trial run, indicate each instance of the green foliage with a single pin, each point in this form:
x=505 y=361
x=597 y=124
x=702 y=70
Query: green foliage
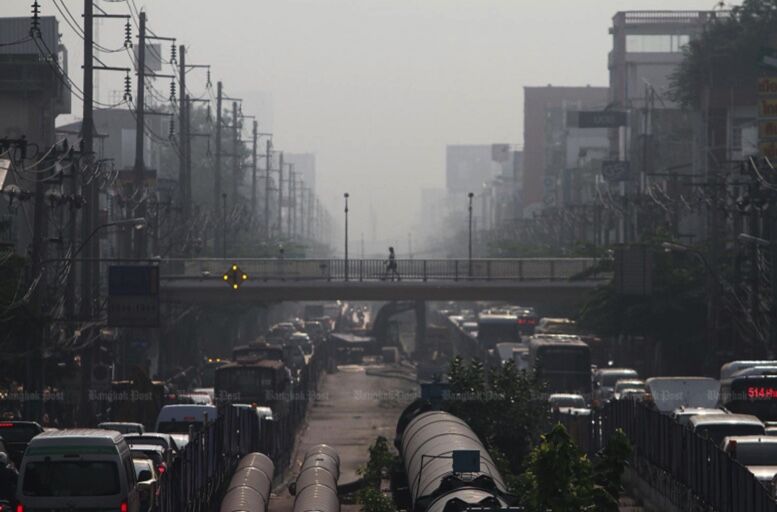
x=513 y=248
x=558 y=477
x=608 y=471
x=380 y=462
x=675 y=312
x=378 y=465
x=726 y=52
x=373 y=500
x=506 y=411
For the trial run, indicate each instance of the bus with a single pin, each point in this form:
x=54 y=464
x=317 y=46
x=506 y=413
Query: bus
x=750 y=394
x=497 y=327
x=562 y=362
x=260 y=382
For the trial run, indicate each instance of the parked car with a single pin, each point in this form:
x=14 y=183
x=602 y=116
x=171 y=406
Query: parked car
x=123 y=427
x=78 y=469
x=148 y=482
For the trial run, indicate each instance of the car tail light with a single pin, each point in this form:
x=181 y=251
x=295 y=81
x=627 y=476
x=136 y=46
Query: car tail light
x=161 y=468
x=521 y=321
x=123 y=507
x=19 y=507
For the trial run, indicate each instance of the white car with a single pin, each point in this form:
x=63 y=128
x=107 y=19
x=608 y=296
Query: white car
x=757 y=453
x=568 y=403
x=178 y=418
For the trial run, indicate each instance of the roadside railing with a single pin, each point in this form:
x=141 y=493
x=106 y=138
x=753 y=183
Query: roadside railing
x=200 y=470
x=690 y=470
x=196 y=479
x=518 y=269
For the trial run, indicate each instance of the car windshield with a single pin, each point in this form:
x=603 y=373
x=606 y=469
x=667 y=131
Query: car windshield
x=717 y=431
x=629 y=384
x=156 y=441
x=18 y=433
x=142 y=465
x=71 y=478
x=151 y=454
x=178 y=427
x=756 y=453
x=609 y=379
x=568 y=401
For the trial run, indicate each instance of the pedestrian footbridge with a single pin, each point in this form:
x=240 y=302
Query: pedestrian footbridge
x=528 y=280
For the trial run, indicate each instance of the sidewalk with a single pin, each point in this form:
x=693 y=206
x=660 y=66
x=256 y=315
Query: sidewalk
x=352 y=410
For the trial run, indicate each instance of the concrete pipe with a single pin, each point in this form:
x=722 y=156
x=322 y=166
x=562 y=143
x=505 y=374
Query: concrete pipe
x=316 y=485
x=249 y=488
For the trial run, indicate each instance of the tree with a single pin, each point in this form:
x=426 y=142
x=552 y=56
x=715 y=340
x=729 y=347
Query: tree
x=674 y=313
x=558 y=477
x=726 y=52
x=608 y=471
x=506 y=411
x=378 y=465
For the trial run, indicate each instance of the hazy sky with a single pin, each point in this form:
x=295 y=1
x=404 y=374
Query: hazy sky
x=377 y=88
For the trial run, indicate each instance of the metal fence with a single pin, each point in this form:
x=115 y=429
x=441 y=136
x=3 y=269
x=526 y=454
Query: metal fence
x=519 y=269
x=197 y=477
x=199 y=471
x=692 y=471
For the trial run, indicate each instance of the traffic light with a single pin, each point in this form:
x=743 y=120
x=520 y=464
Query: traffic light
x=235 y=277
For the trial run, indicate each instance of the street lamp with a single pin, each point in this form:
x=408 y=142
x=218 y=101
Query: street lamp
x=138 y=223
x=470 y=195
x=346 y=196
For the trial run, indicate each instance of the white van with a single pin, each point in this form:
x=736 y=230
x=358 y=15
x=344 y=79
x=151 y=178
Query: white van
x=177 y=418
x=78 y=469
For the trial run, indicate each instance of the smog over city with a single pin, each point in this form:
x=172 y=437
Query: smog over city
x=388 y=255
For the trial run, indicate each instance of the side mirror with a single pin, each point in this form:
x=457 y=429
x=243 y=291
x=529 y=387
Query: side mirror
x=145 y=475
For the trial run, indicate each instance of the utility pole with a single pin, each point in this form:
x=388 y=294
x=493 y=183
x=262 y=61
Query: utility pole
x=87 y=155
x=224 y=227
x=268 y=169
x=302 y=224
x=346 y=196
x=470 y=195
x=217 y=189
x=311 y=213
x=140 y=170
x=253 y=172
x=184 y=180
x=236 y=157
x=292 y=202
x=280 y=197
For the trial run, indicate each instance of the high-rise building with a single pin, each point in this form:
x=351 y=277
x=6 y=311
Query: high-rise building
x=545 y=113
